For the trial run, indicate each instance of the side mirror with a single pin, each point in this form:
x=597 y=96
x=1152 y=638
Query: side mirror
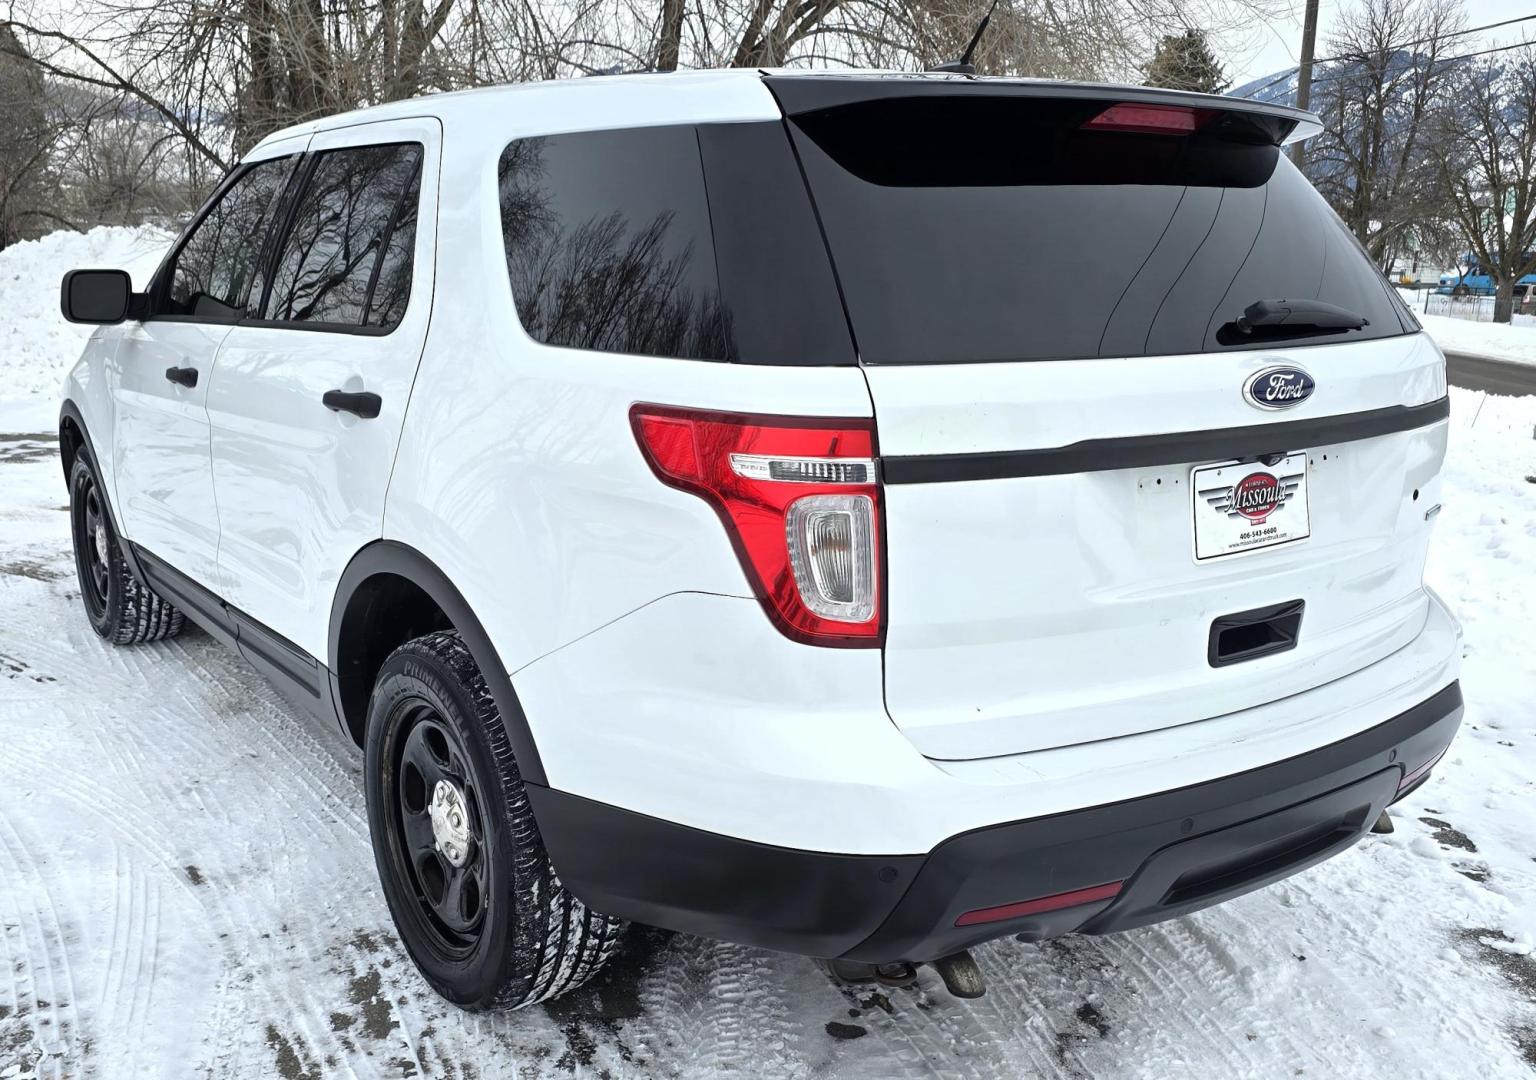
x=96 y=296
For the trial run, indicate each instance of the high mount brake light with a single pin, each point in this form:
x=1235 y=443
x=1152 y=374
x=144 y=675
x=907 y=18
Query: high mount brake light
x=1150 y=119
x=799 y=499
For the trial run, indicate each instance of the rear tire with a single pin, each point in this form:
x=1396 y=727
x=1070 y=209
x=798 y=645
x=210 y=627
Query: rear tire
x=469 y=883
x=120 y=607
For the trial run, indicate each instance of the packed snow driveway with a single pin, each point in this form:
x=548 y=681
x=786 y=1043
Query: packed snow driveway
x=186 y=886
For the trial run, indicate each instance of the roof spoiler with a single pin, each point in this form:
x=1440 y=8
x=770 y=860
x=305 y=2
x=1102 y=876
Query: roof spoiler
x=1258 y=121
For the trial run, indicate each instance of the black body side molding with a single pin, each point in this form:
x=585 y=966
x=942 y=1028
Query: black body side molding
x=1143 y=451
x=303 y=680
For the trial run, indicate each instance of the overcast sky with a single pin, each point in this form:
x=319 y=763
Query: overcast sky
x=1276 y=46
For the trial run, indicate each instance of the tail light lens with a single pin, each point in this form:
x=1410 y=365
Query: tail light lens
x=799 y=499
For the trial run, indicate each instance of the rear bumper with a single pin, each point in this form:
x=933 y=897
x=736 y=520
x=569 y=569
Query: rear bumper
x=1173 y=852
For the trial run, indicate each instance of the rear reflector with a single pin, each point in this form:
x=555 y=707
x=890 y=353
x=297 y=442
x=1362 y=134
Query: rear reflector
x=1150 y=119
x=800 y=501
x=1045 y=903
x=1409 y=779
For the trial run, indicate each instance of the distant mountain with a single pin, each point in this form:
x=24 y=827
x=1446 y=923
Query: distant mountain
x=1276 y=89
x=1280 y=88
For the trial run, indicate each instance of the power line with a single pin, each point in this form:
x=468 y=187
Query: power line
x=1448 y=59
x=1409 y=45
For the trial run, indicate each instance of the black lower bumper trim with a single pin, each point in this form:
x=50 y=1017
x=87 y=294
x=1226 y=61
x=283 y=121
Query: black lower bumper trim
x=1175 y=852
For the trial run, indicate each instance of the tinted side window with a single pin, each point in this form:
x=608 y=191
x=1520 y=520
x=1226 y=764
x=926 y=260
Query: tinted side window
x=608 y=243
x=216 y=267
x=392 y=288
x=326 y=269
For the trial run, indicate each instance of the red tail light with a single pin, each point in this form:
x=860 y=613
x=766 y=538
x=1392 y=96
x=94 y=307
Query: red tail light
x=800 y=501
x=1150 y=119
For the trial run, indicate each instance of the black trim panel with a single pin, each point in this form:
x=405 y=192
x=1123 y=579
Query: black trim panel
x=194 y=601
x=801 y=94
x=299 y=676
x=1176 y=851
x=1177 y=448
x=661 y=874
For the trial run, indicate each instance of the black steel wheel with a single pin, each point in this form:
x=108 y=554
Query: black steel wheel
x=474 y=896
x=92 y=554
x=120 y=607
x=439 y=836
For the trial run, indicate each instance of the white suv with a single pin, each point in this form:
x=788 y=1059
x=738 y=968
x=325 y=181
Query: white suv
x=855 y=515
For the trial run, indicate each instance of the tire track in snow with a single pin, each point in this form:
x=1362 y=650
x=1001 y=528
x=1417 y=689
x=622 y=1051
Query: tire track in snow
x=44 y=952
x=121 y=744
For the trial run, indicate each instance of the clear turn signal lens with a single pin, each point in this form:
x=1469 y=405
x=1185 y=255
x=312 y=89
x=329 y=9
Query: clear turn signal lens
x=832 y=552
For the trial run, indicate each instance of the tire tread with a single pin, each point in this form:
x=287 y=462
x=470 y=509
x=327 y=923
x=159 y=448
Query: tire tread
x=569 y=943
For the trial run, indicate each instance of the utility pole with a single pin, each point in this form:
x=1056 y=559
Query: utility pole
x=1304 y=74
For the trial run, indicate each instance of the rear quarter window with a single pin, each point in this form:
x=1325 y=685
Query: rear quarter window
x=608 y=243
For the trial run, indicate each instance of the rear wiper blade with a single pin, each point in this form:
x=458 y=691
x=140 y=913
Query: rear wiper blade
x=1298 y=315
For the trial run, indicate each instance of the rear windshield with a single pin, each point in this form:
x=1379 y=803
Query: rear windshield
x=988 y=229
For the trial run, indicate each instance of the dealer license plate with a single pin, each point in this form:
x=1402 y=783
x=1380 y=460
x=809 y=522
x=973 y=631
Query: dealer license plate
x=1245 y=507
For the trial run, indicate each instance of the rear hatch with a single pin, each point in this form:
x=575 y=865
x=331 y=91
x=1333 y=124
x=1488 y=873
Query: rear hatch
x=1114 y=503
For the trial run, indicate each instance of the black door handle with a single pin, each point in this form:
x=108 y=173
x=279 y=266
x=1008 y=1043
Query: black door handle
x=362 y=404
x=183 y=376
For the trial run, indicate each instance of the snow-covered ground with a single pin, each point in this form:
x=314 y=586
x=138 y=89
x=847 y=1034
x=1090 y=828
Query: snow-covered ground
x=1513 y=342
x=186 y=887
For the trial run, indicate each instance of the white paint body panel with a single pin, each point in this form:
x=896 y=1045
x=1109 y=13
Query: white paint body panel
x=518 y=473
x=1050 y=610
x=694 y=709
x=651 y=678
x=301 y=488
x=160 y=443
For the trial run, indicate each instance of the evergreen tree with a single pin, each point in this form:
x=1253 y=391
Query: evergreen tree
x=1185 y=62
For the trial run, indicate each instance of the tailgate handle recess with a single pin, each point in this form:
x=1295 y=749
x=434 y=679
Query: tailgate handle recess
x=1246 y=635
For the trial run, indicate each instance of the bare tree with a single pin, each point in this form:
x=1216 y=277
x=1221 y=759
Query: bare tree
x=1485 y=154
x=218 y=75
x=1372 y=161
x=27 y=176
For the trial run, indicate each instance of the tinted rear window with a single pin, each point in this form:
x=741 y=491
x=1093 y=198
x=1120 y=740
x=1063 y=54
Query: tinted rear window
x=985 y=229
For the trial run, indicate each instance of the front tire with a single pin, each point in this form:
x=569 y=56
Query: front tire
x=121 y=608
x=468 y=881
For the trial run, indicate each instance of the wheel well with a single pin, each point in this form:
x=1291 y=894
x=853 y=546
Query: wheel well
x=383 y=613
x=70 y=440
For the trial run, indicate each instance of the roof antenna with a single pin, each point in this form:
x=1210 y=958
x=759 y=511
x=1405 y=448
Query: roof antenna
x=963 y=66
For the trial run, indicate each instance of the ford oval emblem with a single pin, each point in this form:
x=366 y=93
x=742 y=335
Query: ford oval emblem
x=1278 y=388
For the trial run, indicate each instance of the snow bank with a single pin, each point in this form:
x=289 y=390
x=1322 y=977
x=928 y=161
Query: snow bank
x=36 y=345
x=1513 y=343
